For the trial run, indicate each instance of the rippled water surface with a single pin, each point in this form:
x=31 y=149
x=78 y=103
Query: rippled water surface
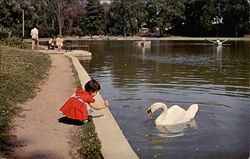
x=183 y=73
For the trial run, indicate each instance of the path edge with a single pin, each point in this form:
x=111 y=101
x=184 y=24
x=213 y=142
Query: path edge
x=114 y=143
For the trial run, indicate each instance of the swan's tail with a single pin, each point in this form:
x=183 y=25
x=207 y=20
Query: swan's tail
x=191 y=112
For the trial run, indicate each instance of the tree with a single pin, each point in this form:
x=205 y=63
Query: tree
x=73 y=18
x=199 y=16
x=162 y=13
x=116 y=16
x=151 y=15
x=10 y=16
x=61 y=10
x=93 y=22
x=235 y=17
x=126 y=17
x=106 y=8
x=41 y=15
x=137 y=16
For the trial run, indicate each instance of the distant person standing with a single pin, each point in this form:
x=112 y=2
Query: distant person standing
x=34 y=37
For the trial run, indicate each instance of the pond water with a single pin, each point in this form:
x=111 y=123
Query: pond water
x=182 y=73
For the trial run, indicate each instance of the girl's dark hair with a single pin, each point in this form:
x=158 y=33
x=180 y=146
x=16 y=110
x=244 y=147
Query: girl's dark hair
x=92 y=86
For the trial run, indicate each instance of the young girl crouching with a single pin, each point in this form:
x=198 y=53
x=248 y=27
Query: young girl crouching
x=77 y=106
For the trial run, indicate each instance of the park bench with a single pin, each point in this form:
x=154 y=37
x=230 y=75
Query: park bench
x=70 y=45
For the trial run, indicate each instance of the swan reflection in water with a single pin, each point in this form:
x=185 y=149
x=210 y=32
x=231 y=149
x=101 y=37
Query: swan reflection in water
x=170 y=131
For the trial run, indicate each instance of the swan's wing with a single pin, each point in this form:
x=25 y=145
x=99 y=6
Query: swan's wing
x=191 y=112
x=175 y=115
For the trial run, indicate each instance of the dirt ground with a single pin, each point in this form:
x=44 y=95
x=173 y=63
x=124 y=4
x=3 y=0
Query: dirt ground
x=39 y=134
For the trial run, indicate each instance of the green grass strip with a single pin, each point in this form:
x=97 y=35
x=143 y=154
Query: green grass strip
x=91 y=145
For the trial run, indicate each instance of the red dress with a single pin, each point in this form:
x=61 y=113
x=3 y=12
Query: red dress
x=75 y=107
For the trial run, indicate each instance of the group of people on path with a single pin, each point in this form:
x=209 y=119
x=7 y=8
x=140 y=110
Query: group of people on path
x=52 y=43
x=58 y=41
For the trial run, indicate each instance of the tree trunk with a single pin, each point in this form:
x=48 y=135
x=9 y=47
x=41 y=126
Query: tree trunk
x=61 y=9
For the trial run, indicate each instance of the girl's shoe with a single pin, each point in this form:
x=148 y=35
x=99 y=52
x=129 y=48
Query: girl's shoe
x=84 y=121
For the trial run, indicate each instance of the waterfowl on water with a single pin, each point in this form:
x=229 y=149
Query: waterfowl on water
x=172 y=115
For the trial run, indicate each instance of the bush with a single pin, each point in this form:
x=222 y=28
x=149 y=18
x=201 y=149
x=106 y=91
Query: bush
x=14 y=42
x=4 y=33
x=75 y=31
x=46 y=32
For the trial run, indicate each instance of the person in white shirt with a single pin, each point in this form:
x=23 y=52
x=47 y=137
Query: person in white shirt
x=34 y=37
x=59 y=42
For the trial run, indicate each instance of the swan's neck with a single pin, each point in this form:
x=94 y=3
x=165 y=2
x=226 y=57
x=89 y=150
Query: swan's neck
x=163 y=115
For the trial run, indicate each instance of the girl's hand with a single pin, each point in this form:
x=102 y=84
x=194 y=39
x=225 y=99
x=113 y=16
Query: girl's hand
x=106 y=103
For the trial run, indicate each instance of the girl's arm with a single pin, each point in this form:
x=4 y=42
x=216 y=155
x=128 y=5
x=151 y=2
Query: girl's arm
x=99 y=107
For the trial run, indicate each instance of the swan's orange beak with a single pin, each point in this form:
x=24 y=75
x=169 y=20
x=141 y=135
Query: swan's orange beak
x=149 y=113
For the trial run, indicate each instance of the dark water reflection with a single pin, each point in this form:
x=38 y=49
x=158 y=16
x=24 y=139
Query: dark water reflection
x=183 y=73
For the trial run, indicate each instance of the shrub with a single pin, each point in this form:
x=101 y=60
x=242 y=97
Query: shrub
x=4 y=33
x=45 y=32
x=75 y=31
x=14 y=42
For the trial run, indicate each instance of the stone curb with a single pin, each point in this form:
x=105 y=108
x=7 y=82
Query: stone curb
x=114 y=143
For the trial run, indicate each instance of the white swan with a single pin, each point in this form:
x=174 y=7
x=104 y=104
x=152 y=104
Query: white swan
x=173 y=115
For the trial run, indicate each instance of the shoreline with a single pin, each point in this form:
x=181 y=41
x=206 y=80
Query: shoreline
x=105 y=124
x=131 y=38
